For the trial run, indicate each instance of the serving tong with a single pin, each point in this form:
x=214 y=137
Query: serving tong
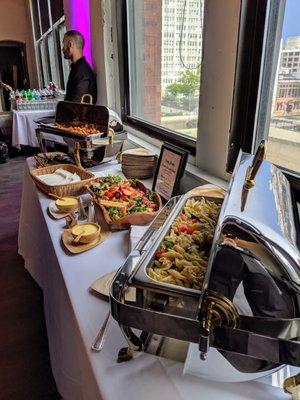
x=99 y=340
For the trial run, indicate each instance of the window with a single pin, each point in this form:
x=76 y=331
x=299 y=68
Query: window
x=40 y=66
x=217 y=76
x=36 y=21
x=57 y=10
x=44 y=15
x=49 y=29
x=52 y=50
x=65 y=63
x=172 y=103
x=282 y=122
x=44 y=62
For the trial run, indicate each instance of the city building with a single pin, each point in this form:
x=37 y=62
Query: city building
x=182 y=23
x=287 y=85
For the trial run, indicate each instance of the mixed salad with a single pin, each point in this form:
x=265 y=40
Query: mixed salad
x=121 y=197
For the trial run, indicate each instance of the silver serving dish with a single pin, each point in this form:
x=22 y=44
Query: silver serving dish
x=249 y=305
x=90 y=150
x=141 y=279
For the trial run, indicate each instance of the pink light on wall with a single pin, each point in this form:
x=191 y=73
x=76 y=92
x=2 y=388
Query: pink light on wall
x=79 y=19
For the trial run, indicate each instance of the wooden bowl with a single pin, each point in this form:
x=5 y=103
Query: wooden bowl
x=92 y=233
x=67 y=203
x=138 y=218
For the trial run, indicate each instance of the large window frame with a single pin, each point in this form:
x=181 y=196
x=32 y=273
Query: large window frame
x=246 y=109
x=247 y=78
x=271 y=49
x=151 y=129
x=42 y=49
x=216 y=165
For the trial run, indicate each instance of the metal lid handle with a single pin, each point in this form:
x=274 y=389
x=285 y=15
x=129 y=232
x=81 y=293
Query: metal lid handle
x=84 y=96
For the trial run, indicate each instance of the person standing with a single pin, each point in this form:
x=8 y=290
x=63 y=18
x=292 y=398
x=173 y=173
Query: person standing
x=82 y=79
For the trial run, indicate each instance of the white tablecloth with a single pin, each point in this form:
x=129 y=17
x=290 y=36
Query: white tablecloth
x=23 y=131
x=73 y=317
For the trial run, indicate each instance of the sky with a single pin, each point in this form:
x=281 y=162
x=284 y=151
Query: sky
x=291 y=22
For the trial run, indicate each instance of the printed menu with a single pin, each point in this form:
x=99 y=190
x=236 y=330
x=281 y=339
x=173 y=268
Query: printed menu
x=166 y=177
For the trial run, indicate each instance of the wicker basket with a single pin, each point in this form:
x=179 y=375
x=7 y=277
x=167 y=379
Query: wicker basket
x=69 y=189
x=138 y=218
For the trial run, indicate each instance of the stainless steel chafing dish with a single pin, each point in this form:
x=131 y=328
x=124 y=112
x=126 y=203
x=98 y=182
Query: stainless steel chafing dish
x=249 y=305
x=92 y=149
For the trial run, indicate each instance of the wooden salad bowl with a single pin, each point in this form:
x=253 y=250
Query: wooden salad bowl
x=136 y=218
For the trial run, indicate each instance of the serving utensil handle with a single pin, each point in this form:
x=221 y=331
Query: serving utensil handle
x=100 y=338
x=54 y=196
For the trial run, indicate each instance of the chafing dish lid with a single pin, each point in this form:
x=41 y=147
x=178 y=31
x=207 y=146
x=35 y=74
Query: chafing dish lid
x=266 y=210
x=67 y=111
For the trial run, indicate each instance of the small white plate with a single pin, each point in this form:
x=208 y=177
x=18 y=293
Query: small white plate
x=55 y=212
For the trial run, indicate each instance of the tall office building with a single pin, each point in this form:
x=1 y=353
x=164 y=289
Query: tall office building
x=182 y=23
x=287 y=85
x=290 y=56
x=167 y=41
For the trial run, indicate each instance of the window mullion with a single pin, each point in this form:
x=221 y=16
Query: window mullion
x=217 y=82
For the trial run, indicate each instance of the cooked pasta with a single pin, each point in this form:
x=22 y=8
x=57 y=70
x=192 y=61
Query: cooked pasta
x=183 y=255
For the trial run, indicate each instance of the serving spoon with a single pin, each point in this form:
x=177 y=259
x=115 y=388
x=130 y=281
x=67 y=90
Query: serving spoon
x=54 y=196
x=76 y=240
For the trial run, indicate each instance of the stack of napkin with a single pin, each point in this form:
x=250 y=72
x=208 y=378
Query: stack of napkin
x=59 y=177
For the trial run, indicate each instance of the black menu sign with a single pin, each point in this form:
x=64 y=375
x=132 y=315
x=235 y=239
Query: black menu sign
x=171 y=165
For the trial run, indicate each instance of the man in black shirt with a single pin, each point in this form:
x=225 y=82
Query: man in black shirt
x=82 y=79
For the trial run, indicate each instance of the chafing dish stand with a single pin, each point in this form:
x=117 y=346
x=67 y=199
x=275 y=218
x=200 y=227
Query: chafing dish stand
x=90 y=150
x=248 y=308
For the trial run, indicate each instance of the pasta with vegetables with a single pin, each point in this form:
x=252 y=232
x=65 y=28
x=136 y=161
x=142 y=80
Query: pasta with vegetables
x=183 y=256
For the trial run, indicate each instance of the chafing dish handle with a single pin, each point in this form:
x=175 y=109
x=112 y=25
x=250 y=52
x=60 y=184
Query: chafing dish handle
x=39 y=137
x=276 y=350
x=77 y=155
x=252 y=171
x=117 y=297
x=216 y=310
x=257 y=160
x=84 y=96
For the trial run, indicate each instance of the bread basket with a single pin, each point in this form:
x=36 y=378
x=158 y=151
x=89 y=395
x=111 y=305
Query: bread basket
x=69 y=189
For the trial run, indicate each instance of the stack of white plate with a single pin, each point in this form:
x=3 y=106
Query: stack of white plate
x=138 y=163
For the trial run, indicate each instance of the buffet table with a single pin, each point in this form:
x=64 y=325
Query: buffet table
x=74 y=316
x=23 y=130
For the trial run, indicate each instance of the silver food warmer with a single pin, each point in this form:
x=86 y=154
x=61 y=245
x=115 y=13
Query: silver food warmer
x=249 y=304
x=89 y=150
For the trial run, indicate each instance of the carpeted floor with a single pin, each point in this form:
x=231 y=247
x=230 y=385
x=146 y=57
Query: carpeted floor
x=25 y=371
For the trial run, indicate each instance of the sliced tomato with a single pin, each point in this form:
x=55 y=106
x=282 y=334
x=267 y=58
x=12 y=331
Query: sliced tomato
x=160 y=253
x=114 y=189
x=146 y=201
x=186 y=229
x=124 y=198
x=127 y=192
x=125 y=185
x=108 y=194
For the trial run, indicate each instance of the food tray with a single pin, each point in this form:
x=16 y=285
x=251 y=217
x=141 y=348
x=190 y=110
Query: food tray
x=51 y=128
x=138 y=218
x=66 y=189
x=140 y=278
